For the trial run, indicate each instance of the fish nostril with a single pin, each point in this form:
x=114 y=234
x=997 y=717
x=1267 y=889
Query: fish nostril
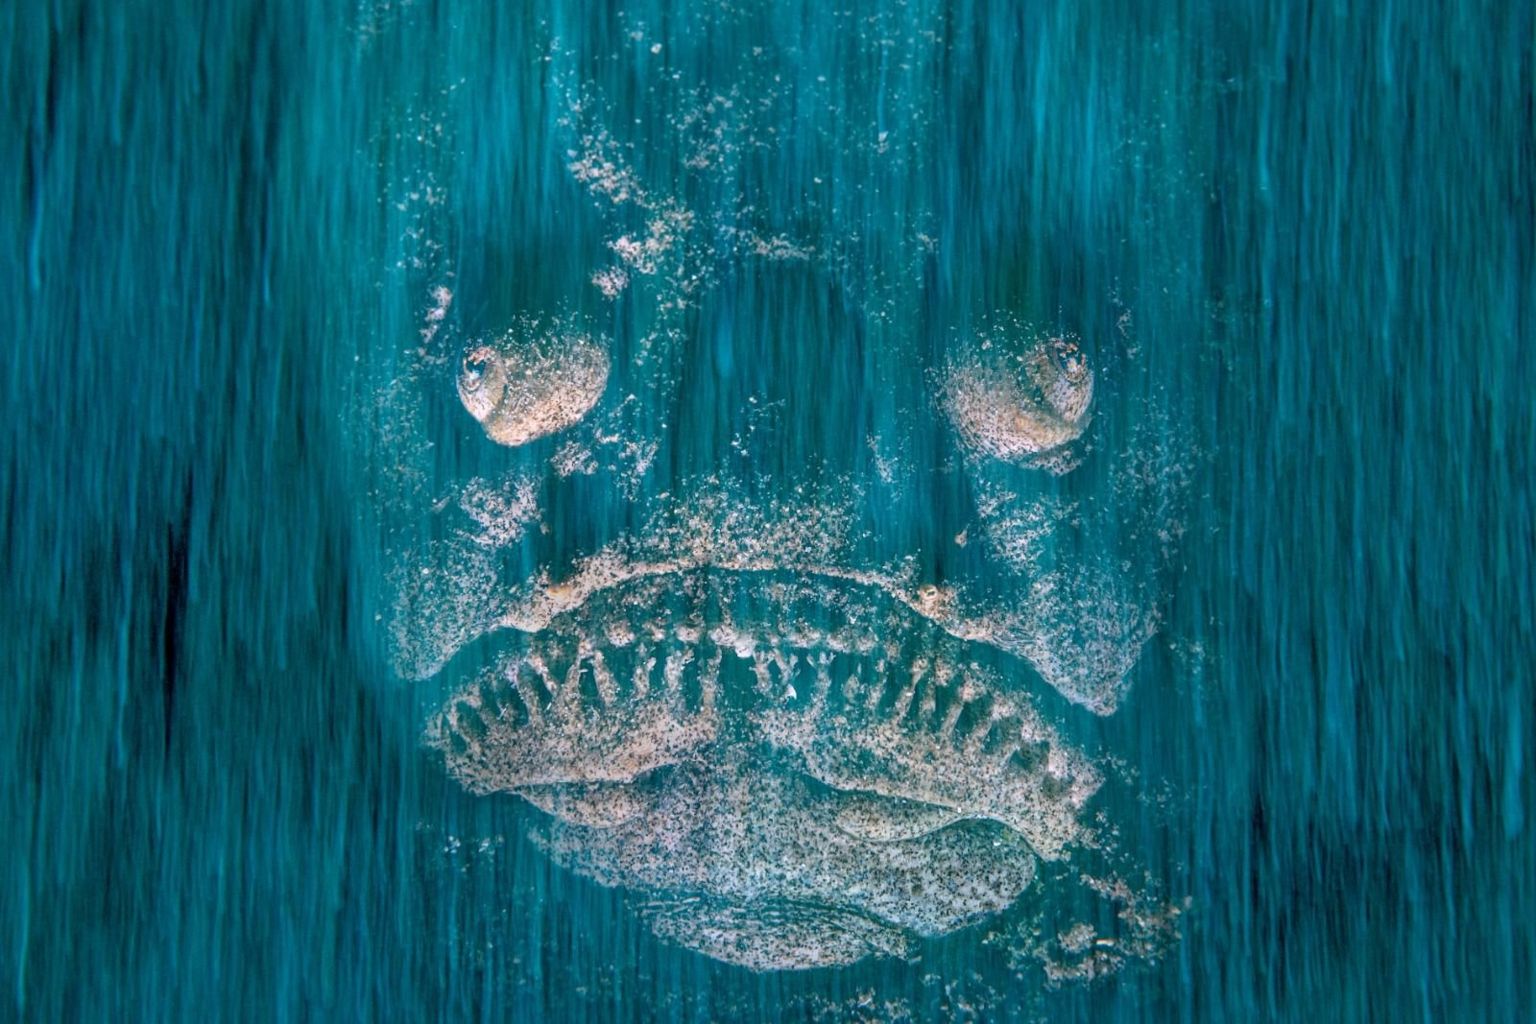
x=469 y=722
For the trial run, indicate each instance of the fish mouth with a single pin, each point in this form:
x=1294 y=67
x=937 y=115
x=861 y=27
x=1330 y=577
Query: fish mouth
x=794 y=769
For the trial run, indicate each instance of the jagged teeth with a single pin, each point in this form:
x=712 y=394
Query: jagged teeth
x=926 y=728
x=645 y=667
x=807 y=678
x=931 y=696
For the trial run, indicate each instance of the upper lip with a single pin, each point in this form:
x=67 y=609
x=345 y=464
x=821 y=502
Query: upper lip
x=1080 y=637
x=532 y=608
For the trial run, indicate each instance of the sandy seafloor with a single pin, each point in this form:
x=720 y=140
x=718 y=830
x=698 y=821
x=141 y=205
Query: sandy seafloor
x=1296 y=244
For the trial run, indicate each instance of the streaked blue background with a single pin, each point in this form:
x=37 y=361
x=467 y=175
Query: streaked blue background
x=215 y=806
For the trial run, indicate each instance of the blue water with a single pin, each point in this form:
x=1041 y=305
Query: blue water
x=1295 y=244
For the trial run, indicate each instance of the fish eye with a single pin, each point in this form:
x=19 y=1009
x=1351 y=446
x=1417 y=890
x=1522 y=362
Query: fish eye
x=476 y=365
x=1019 y=400
x=535 y=380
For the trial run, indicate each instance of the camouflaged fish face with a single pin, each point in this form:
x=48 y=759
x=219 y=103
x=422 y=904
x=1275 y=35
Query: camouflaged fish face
x=798 y=671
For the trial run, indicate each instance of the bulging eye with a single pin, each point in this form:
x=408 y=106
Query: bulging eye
x=1021 y=403
x=1060 y=374
x=532 y=382
x=482 y=382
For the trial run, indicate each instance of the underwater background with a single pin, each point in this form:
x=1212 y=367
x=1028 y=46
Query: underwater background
x=1297 y=240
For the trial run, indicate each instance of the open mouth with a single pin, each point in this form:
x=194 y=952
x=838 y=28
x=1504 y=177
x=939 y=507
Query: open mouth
x=815 y=769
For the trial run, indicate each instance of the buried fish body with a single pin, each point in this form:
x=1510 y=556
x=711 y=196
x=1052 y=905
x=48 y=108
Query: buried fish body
x=805 y=678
